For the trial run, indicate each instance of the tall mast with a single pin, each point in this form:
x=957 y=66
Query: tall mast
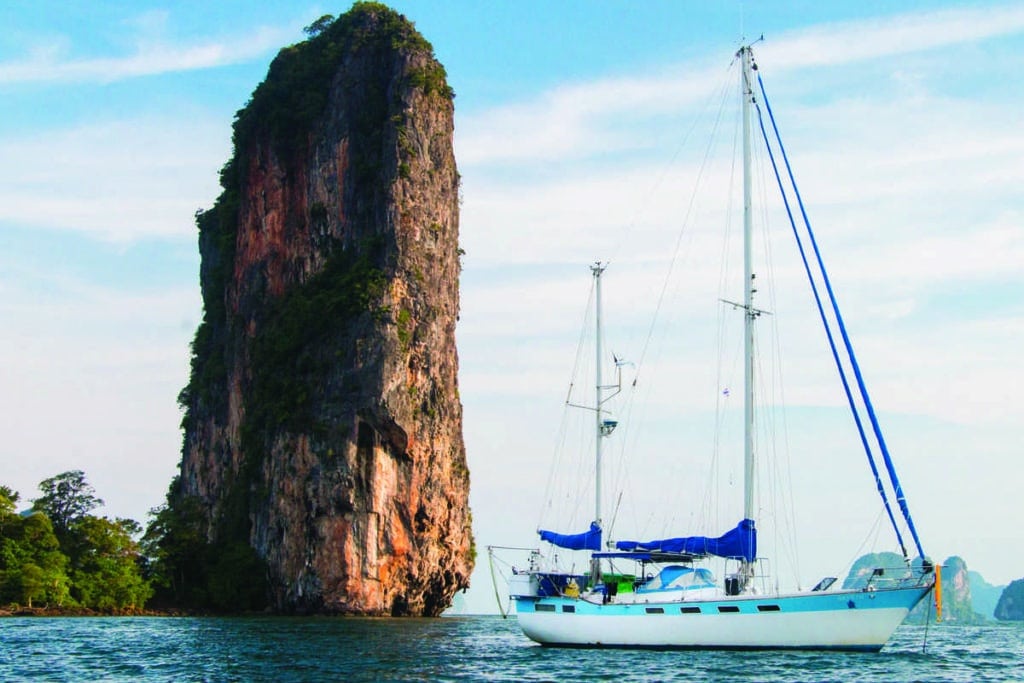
x=746 y=84
x=597 y=269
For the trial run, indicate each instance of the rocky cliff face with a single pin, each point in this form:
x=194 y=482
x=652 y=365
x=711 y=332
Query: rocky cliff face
x=323 y=424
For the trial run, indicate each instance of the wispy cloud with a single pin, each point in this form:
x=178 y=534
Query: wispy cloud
x=119 y=181
x=581 y=119
x=152 y=57
x=900 y=34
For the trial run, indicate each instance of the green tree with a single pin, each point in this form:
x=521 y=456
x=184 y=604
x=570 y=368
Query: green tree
x=237 y=579
x=319 y=26
x=187 y=570
x=8 y=500
x=32 y=567
x=175 y=545
x=106 y=574
x=66 y=498
x=30 y=583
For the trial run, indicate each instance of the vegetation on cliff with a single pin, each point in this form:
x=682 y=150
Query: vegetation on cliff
x=294 y=95
x=286 y=374
x=190 y=571
x=59 y=556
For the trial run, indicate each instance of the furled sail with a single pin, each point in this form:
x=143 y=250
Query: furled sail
x=588 y=540
x=738 y=543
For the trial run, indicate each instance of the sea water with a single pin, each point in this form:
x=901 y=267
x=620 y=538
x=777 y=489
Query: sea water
x=481 y=648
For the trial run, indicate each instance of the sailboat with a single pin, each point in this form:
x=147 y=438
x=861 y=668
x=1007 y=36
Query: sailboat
x=673 y=600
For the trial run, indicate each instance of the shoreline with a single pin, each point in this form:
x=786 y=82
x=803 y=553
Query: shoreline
x=17 y=611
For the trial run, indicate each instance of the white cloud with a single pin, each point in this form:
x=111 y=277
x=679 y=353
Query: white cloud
x=153 y=56
x=891 y=36
x=575 y=120
x=118 y=181
x=584 y=118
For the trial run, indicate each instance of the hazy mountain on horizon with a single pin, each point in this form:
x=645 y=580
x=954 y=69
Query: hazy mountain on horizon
x=983 y=594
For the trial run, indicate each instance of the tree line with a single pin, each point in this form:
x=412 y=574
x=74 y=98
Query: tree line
x=57 y=555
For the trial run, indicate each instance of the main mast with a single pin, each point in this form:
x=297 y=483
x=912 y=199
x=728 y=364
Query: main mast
x=747 y=94
x=597 y=269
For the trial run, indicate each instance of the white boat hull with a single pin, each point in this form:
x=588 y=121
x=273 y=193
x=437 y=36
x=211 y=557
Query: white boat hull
x=842 y=620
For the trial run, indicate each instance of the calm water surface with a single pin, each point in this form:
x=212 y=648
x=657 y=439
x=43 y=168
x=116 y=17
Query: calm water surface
x=453 y=649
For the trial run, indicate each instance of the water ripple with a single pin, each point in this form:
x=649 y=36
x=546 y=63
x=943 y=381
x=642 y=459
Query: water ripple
x=454 y=649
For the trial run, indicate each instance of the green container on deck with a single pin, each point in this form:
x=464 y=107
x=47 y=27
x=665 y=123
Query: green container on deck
x=624 y=582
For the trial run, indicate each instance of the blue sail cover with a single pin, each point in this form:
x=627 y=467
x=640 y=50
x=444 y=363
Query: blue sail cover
x=739 y=543
x=588 y=540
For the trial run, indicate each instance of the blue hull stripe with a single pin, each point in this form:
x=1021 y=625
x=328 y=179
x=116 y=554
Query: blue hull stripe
x=822 y=602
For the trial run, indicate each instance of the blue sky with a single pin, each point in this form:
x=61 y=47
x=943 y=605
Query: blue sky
x=572 y=123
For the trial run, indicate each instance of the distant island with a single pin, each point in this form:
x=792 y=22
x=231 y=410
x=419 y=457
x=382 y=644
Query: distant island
x=1011 y=603
x=966 y=597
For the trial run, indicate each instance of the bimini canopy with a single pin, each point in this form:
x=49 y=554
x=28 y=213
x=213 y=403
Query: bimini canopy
x=588 y=540
x=739 y=543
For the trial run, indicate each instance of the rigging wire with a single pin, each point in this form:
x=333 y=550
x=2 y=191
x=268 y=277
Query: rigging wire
x=632 y=223
x=635 y=427
x=557 y=461
x=710 y=509
x=870 y=540
x=494 y=582
x=835 y=308
x=709 y=513
x=683 y=229
x=779 y=492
